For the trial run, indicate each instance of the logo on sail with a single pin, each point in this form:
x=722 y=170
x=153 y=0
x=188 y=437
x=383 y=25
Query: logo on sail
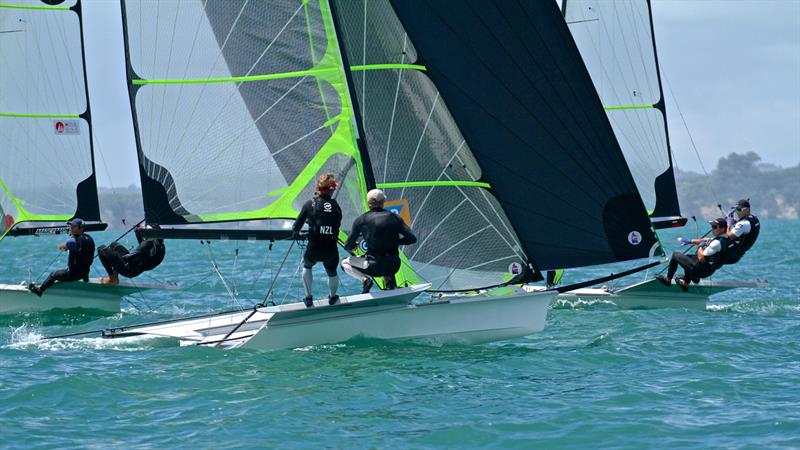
x=634 y=238
x=399 y=207
x=515 y=268
x=66 y=127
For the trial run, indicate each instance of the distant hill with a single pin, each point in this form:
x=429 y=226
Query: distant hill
x=121 y=203
x=774 y=192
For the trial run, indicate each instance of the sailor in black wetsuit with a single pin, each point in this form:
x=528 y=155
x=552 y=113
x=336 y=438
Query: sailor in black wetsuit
x=81 y=256
x=117 y=260
x=324 y=217
x=743 y=228
x=383 y=231
x=711 y=255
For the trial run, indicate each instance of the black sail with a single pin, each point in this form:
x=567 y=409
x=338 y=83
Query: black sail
x=515 y=84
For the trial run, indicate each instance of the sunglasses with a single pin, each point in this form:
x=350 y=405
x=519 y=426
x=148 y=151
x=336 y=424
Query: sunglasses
x=740 y=209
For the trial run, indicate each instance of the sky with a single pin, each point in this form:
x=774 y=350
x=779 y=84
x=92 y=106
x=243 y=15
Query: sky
x=732 y=65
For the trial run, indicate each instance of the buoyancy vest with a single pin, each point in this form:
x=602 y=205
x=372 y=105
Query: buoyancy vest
x=746 y=241
x=80 y=259
x=724 y=254
x=324 y=220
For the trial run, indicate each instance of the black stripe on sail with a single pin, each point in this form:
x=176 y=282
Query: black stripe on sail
x=515 y=83
x=88 y=205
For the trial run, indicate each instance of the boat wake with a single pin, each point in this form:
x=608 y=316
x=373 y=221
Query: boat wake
x=30 y=337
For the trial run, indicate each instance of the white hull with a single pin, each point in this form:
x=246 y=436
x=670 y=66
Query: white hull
x=16 y=299
x=386 y=315
x=651 y=294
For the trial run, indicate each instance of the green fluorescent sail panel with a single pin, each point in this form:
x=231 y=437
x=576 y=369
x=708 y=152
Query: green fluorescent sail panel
x=239 y=108
x=420 y=158
x=46 y=171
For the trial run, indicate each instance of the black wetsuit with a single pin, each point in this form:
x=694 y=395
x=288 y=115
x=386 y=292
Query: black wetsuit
x=693 y=269
x=324 y=218
x=81 y=256
x=383 y=233
x=147 y=256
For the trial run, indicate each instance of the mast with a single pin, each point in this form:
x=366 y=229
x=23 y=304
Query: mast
x=369 y=175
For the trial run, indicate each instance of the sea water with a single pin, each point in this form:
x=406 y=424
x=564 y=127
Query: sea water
x=596 y=377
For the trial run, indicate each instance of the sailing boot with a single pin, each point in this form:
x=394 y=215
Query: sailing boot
x=664 y=280
x=309 y=301
x=367 y=285
x=391 y=282
x=333 y=299
x=35 y=289
x=683 y=283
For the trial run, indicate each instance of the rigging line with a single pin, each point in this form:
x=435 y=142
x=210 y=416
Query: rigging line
x=689 y=133
x=266 y=298
x=466 y=197
x=582 y=143
x=245 y=126
x=157 y=33
x=363 y=102
x=66 y=53
x=441 y=174
x=638 y=46
x=186 y=72
x=617 y=97
x=502 y=218
x=394 y=107
x=486 y=263
x=419 y=142
x=454 y=246
x=190 y=118
x=618 y=64
x=215 y=269
x=301 y=138
x=433 y=231
x=166 y=74
x=556 y=167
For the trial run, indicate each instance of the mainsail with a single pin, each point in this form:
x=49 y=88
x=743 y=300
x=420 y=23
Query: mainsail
x=617 y=43
x=238 y=105
x=47 y=166
x=517 y=88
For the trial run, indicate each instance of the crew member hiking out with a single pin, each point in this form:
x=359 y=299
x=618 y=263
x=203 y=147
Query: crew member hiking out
x=743 y=228
x=383 y=232
x=324 y=218
x=81 y=256
x=117 y=260
x=711 y=255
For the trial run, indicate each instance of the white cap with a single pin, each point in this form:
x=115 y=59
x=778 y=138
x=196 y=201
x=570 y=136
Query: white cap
x=375 y=197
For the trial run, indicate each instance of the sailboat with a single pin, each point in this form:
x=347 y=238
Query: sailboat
x=480 y=123
x=617 y=42
x=47 y=173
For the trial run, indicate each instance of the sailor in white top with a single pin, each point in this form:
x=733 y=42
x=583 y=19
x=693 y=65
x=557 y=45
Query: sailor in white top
x=743 y=228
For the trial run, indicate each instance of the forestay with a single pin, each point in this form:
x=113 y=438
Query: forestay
x=617 y=43
x=238 y=106
x=47 y=167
